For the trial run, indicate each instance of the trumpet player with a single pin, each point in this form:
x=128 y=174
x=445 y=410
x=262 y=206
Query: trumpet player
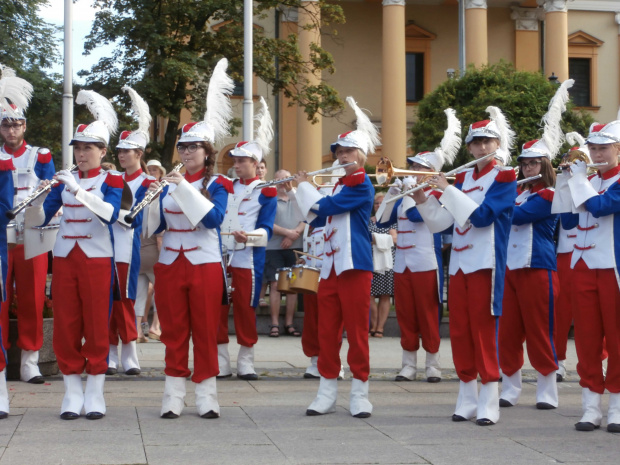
x=26 y=278
x=592 y=205
x=480 y=206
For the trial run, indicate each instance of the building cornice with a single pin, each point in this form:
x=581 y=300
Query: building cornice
x=553 y=6
x=527 y=19
x=393 y=3
x=469 y=4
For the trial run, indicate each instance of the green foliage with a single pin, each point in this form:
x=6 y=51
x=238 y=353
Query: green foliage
x=166 y=50
x=522 y=96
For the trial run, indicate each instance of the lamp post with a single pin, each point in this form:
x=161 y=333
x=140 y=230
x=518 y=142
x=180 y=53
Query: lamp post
x=248 y=104
x=67 y=88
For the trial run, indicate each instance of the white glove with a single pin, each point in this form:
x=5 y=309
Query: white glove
x=410 y=182
x=579 y=168
x=396 y=189
x=65 y=177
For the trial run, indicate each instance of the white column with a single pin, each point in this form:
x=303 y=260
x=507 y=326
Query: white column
x=476 y=39
x=556 y=38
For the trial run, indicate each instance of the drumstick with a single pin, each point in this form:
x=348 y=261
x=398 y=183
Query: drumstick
x=307 y=254
x=247 y=234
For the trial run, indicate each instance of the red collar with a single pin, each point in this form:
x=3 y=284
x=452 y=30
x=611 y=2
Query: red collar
x=611 y=173
x=538 y=186
x=478 y=174
x=90 y=173
x=131 y=177
x=18 y=152
x=355 y=178
x=196 y=176
x=247 y=182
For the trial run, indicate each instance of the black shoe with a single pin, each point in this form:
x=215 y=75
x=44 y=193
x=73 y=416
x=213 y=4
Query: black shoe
x=169 y=415
x=36 y=380
x=248 y=377
x=433 y=379
x=484 y=422
x=402 y=378
x=559 y=378
x=313 y=413
x=210 y=415
x=69 y=415
x=362 y=415
x=95 y=415
x=111 y=371
x=586 y=426
x=544 y=406
x=505 y=403
x=4 y=415
x=310 y=376
x=223 y=376
x=133 y=372
x=611 y=427
x=456 y=417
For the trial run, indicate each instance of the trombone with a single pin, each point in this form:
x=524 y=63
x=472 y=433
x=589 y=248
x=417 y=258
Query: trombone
x=313 y=174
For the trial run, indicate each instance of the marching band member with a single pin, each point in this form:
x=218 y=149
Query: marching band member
x=480 y=205
x=593 y=204
x=418 y=268
x=531 y=288
x=32 y=165
x=346 y=274
x=249 y=225
x=84 y=260
x=189 y=277
x=123 y=324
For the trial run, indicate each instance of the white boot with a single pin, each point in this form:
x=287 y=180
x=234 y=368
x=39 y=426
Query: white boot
x=467 y=401
x=410 y=361
x=511 y=389
x=359 y=404
x=488 y=404
x=546 y=391
x=112 y=360
x=592 y=415
x=94 y=402
x=341 y=372
x=245 y=364
x=206 y=398
x=174 y=397
x=129 y=358
x=433 y=368
x=29 y=369
x=223 y=360
x=325 y=401
x=73 y=401
x=313 y=370
x=560 y=373
x=613 y=414
x=4 y=396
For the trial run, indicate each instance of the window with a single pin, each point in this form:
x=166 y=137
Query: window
x=579 y=69
x=415 y=76
x=418 y=62
x=583 y=68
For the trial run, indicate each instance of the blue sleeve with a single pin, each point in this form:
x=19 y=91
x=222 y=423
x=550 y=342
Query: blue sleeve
x=499 y=199
x=414 y=216
x=393 y=216
x=53 y=202
x=267 y=214
x=535 y=209
x=569 y=220
x=318 y=222
x=112 y=195
x=348 y=199
x=138 y=197
x=219 y=197
x=6 y=196
x=44 y=170
x=606 y=203
x=162 y=219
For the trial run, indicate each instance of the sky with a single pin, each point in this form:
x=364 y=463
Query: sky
x=83 y=16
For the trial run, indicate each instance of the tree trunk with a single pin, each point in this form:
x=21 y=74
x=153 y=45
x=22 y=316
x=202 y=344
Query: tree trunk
x=170 y=138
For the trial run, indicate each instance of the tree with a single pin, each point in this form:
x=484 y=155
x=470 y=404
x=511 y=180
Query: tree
x=166 y=50
x=522 y=96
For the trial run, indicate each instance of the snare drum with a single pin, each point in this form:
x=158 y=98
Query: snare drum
x=11 y=235
x=284 y=280
x=305 y=279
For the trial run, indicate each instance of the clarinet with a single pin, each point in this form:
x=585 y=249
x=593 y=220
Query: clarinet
x=148 y=198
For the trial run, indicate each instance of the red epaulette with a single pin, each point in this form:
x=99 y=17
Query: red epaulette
x=44 y=156
x=269 y=191
x=546 y=194
x=227 y=183
x=6 y=164
x=114 y=180
x=507 y=175
x=148 y=181
x=436 y=193
x=354 y=179
x=460 y=177
x=592 y=176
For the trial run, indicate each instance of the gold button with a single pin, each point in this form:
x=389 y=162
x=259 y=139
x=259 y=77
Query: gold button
x=335 y=230
x=514 y=245
x=470 y=246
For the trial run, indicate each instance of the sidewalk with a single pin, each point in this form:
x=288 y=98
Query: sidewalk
x=264 y=422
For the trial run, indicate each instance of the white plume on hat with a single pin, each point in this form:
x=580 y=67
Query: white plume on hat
x=16 y=90
x=577 y=140
x=365 y=137
x=507 y=135
x=260 y=146
x=105 y=124
x=216 y=124
x=140 y=137
x=448 y=148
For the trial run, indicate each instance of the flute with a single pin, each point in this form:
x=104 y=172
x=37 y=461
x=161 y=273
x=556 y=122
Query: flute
x=148 y=198
x=530 y=179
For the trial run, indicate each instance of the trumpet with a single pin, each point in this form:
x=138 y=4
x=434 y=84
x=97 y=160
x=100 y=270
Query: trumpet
x=449 y=173
x=313 y=173
x=11 y=214
x=148 y=198
x=385 y=172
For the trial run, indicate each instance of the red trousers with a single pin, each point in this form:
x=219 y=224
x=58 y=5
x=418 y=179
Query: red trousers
x=30 y=276
x=188 y=299
x=417 y=309
x=528 y=316
x=345 y=301
x=82 y=289
x=123 y=320
x=563 y=307
x=596 y=310
x=310 y=334
x=473 y=328
x=244 y=315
